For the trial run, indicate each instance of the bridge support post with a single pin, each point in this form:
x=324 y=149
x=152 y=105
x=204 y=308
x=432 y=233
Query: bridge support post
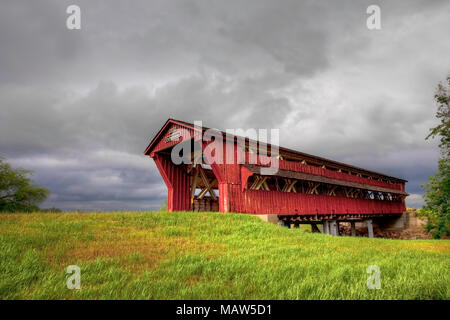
x=370 y=228
x=334 y=228
x=325 y=228
x=353 y=228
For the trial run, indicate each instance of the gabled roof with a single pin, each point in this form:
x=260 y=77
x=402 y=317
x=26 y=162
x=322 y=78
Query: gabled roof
x=306 y=156
x=160 y=132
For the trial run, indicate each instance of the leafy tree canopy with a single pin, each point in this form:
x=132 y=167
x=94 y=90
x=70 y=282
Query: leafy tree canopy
x=437 y=190
x=17 y=190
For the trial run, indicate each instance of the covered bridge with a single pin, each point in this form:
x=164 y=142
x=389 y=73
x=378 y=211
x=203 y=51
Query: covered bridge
x=304 y=188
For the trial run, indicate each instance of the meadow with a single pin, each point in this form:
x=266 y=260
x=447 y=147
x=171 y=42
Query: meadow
x=161 y=255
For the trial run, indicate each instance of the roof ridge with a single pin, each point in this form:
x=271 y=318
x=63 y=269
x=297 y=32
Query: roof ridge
x=337 y=163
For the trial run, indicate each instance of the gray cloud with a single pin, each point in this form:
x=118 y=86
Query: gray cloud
x=79 y=107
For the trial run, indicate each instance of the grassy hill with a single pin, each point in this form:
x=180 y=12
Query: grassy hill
x=160 y=255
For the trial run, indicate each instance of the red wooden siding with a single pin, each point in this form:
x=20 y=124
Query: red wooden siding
x=305 y=168
x=185 y=134
x=177 y=182
x=233 y=197
x=288 y=203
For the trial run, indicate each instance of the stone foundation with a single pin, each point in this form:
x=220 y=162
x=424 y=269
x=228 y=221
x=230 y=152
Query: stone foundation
x=272 y=218
x=408 y=220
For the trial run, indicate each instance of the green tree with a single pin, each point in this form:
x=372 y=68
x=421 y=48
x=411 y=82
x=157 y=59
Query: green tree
x=437 y=190
x=17 y=190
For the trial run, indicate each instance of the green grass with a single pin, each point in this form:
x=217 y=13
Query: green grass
x=160 y=255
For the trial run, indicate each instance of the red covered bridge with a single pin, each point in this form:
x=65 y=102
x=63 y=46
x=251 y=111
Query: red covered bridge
x=304 y=189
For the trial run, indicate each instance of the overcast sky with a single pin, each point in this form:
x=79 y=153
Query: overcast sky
x=80 y=106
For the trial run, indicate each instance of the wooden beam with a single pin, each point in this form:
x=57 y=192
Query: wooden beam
x=259 y=183
x=321 y=179
x=314 y=228
x=289 y=186
x=194 y=183
x=313 y=188
x=207 y=184
x=277 y=185
x=331 y=190
x=255 y=182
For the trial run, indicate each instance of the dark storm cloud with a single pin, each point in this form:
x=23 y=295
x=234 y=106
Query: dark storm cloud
x=79 y=107
x=160 y=39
